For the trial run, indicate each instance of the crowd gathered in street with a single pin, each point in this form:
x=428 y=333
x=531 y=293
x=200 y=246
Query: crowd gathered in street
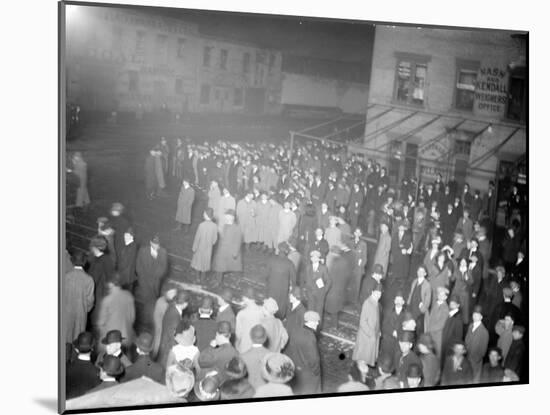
x=438 y=289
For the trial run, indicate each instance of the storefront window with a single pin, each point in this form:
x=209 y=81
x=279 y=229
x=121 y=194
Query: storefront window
x=465 y=89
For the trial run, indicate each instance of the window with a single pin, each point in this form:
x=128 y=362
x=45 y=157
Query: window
x=179 y=86
x=223 y=59
x=133 y=85
x=205 y=94
x=246 y=62
x=516 y=98
x=162 y=47
x=462 y=148
x=206 y=55
x=411 y=76
x=238 y=97
x=181 y=48
x=466 y=77
x=465 y=89
x=140 y=42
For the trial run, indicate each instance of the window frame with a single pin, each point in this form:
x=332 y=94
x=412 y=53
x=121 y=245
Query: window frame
x=414 y=59
x=466 y=65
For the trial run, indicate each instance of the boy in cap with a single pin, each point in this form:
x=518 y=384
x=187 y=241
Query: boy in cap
x=144 y=365
x=493 y=371
x=81 y=374
x=254 y=355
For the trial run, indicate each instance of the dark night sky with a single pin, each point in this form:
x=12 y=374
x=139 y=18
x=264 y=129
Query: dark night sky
x=328 y=39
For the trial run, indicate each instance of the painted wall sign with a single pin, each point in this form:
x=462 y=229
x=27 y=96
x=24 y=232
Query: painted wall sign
x=491 y=91
x=146 y=21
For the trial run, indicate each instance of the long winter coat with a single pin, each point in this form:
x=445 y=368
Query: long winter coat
x=245 y=320
x=205 y=239
x=185 y=204
x=281 y=275
x=476 y=342
x=150 y=272
x=452 y=333
x=77 y=301
x=228 y=256
x=101 y=269
x=303 y=349
x=117 y=312
x=170 y=322
x=246 y=217
x=126 y=265
x=214 y=197
x=463 y=289
x=340 y=273
x=401 y=261
x=158 y=315
x=287 y=222
x=435 y=322
x=273 y=225
x=368 y=334
x=316 y=285
x=262 y=222
x=226 y=203
x=382 y=254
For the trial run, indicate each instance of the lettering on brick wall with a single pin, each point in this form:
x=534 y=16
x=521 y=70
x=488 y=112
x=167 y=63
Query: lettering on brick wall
x=491 y=91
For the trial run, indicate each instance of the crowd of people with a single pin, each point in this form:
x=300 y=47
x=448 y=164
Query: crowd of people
x=439 y=296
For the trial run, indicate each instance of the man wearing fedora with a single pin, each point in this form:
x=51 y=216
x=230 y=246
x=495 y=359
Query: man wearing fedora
x=151 y=267
x=277 y=370
x=246 y=319
x=110 y=371
x=144 y=365
x=77 y=299
x=476 y=342
x=127 y=255
x=281 y=275
x=406 y=356
x=401 y=250
x=81 y=374
x=453 y=330
x=254 y=355
x=170 y=322
x=113 y=347
x=303 y=350
x=203 y=244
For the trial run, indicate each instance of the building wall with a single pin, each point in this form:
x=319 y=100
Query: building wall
x=309 y=90
x=486 y=56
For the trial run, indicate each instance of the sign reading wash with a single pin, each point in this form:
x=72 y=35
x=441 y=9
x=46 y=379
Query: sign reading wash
x=491 y=91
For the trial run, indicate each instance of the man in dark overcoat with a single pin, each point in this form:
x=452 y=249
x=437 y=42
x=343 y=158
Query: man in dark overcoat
x=316 y=284
x=151 y=267
x=454 y=328
x=303 y=349
x=401 y=250
x=281 y=275
x=127 y=256
x=170 y=322
x=295 y=314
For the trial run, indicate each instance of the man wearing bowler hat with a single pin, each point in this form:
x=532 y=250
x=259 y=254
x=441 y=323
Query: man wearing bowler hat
x=110 y=370
x=406 y=356
x=144 y=365
x=113 y=347
x=151 y=267
x=81 y=375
